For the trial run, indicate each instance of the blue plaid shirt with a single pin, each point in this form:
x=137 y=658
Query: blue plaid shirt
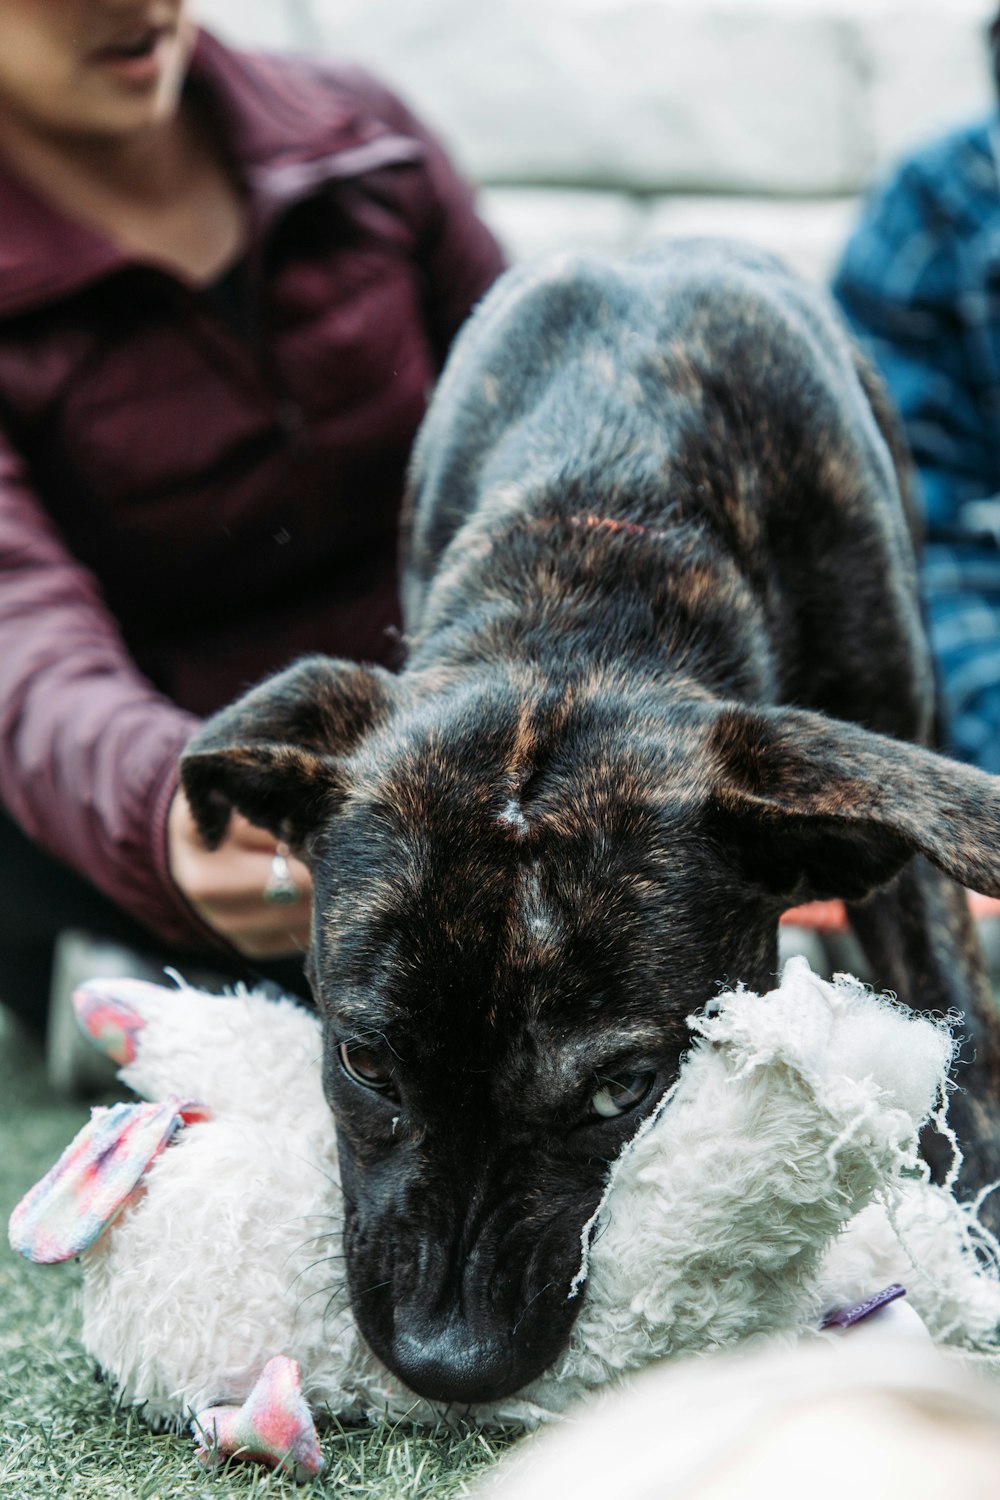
x=920 y=283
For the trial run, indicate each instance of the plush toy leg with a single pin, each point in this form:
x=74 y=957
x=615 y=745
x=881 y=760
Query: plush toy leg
x=273 y=1426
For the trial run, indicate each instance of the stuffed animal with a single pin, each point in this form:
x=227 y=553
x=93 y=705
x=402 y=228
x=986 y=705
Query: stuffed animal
x=775 y=1189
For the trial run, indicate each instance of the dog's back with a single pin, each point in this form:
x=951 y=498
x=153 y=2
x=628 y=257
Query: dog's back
x=698 y=390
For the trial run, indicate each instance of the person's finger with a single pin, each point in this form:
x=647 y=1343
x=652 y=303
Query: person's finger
x=227 y=886
x=246 y=835
x=261 y=944
x=256 y=926
x=239 y=885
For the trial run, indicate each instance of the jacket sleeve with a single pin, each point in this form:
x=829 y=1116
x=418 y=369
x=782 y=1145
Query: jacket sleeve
x=900 y=284
x=88 y=748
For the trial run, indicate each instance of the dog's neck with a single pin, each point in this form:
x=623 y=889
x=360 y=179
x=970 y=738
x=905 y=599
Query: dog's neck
x=590 y=591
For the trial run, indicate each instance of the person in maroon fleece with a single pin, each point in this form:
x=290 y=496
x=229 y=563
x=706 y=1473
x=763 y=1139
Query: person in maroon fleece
x=227 y=283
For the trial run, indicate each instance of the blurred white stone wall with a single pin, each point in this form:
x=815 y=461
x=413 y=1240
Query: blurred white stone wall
x=602 y=122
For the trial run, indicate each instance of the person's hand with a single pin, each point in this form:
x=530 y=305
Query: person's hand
x=226 y=885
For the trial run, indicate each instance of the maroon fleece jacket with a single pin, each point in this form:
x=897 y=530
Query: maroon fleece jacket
x=189 y=500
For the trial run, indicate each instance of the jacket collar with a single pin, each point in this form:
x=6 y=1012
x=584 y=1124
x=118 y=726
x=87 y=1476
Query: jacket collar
x=288 y=129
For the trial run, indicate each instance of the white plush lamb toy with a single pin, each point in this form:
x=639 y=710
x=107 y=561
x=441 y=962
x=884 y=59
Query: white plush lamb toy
x=777 y=1188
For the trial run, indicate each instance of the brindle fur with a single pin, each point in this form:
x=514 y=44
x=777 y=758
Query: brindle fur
x=666 y=677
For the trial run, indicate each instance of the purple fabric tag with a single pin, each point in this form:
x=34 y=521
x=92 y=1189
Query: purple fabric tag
x=846 y=1317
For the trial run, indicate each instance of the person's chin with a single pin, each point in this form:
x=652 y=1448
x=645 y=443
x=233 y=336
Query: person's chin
x=116 y=114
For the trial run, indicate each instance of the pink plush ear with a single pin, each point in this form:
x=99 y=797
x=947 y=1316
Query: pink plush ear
x=88 y=1187
x=273 y=1426
x=105 y=1014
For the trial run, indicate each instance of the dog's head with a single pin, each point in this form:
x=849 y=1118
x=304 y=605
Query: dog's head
x=520 y=895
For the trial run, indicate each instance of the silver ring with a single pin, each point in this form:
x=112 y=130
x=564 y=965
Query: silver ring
x=280 y=889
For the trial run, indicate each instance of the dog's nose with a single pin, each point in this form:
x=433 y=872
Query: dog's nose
x=454 y=1366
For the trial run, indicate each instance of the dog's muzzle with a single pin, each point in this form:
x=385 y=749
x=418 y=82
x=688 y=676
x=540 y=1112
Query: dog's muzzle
x=473 y=1348
x=451 y=1364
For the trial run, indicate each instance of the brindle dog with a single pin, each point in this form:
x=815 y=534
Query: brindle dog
x=666 y=678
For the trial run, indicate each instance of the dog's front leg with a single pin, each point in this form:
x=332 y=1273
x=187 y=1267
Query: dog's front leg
x=921 y=942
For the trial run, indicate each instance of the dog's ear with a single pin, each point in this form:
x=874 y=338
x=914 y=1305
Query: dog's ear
x=813 y=807
x=275 y=755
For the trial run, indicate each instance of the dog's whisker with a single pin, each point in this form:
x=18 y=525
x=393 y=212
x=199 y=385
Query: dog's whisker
x=321 y=1291
x=376 y=1286
x=325 y=1173
x=529 y=1303
x=318 y=1239
x=331 y=1310
x=324 y=1260
x=330 y=1255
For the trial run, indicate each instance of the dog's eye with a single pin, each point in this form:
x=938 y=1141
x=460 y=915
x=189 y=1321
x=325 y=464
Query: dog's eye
x=616 y=1096
x=370 y=1066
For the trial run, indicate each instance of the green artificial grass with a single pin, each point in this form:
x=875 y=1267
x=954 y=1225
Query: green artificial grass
x=61 y=1433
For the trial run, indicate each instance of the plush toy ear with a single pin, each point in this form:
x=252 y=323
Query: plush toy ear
x=95 y=1177
x=815 y=808
x=274 y=755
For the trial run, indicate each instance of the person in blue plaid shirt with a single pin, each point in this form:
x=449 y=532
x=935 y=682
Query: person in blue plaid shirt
x=920 y=284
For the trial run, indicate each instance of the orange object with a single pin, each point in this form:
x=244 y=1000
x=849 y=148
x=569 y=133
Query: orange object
x=830 y=916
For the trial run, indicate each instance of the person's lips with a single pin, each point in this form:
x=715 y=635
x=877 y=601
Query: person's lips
x=138 y=55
